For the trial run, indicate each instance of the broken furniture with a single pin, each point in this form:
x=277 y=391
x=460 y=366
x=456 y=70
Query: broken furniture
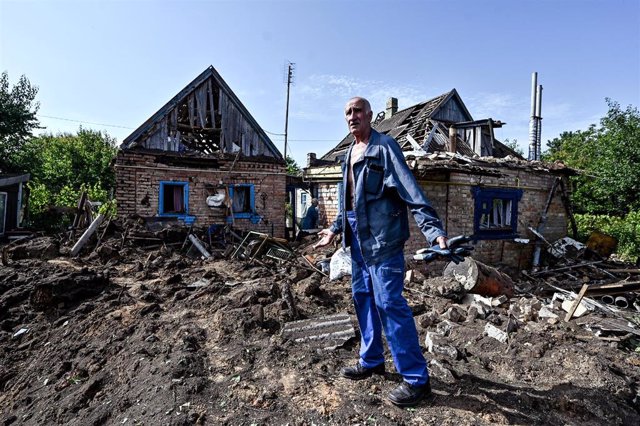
x=257 y=244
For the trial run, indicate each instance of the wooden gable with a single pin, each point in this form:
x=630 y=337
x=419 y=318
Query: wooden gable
x=205 y=117
x=451 y=110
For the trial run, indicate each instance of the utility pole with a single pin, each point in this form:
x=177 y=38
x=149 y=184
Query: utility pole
x=291 y=67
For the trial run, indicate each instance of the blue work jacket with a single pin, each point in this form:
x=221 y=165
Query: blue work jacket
x=384 y=188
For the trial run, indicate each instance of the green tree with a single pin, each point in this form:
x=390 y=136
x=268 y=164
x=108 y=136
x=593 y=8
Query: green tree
x=63 y=165
x=292 y=167
x=609 y=158
x=17 y=118
x=513 y=144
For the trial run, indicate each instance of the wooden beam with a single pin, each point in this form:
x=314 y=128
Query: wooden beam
x=576 y=302
x=199 y=129
x=614 y=288
x=87 y=234
x=623 y=271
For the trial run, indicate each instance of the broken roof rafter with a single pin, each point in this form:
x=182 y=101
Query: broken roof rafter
x=413 y=121
x=201 y=91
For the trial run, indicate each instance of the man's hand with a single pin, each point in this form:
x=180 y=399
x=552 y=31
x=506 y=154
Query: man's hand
x=326 y=236
x=442 y=241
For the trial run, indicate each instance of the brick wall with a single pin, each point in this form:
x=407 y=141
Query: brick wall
x=327 y=203
x=454 y=202
x=138 y=177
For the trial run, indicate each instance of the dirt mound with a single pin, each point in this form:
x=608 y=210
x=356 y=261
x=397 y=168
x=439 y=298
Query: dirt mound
x=154 y=336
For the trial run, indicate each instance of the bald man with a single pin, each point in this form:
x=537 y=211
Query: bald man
x=378 y=188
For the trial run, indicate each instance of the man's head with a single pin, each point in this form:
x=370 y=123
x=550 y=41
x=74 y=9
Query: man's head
x=358 y=114
x=314 y=202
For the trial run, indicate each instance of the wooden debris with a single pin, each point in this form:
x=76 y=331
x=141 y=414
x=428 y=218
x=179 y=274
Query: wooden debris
x=479 y=278
x=287 y=296
x=87 y=234
x=78 y=215
x=576 y=303
x=565 y=268
x=613 y=288
x=623 y=271
x=197 y=244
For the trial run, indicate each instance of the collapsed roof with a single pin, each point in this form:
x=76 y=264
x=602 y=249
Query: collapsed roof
x=205 y=117
x=425 y=128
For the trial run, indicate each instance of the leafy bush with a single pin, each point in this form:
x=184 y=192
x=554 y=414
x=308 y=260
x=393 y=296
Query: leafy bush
x=61 y=168
x=625 y=229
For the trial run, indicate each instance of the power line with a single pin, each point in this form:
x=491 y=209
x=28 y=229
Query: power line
x=275 y=134
x=132 y=128
x=86 y=122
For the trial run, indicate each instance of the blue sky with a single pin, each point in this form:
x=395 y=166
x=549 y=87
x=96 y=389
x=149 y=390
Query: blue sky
x=117 y=62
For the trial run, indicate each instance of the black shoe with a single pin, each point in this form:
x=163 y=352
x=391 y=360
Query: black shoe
x=407 y=395
x=359 y=372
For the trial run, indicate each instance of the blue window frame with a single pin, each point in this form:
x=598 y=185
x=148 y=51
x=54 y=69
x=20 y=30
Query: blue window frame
x=244 y=201
x=496 y=212
x=173 y=199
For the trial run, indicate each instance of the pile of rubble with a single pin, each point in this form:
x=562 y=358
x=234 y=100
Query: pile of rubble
x=174 y=325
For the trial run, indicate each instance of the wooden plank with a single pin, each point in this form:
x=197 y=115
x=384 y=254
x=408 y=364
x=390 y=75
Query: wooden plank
x=576 y=302
x=614 y=288
x=79 y=209
x=623 y=271
x=87 y=234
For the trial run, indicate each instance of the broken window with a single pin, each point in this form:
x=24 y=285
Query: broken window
x=243 y=200
x=496 y=212
x=174 y=199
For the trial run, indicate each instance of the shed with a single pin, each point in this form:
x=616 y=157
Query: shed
x=13 y=199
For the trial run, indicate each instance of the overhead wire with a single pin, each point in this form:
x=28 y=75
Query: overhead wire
x=85 y=122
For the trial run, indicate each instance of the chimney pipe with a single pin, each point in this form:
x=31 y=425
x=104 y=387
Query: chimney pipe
x=392 y=107
x=311 y=158
x=453 y=135
x=539 y=122
x=533 y=128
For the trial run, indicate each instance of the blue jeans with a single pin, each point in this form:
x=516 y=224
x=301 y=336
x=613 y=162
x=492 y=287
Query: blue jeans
x=377 y=296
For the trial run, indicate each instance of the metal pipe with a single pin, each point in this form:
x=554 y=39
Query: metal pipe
x=533 y=131
x=539 y=122
x=622 y=302
x=453 y=135
x=607 y=299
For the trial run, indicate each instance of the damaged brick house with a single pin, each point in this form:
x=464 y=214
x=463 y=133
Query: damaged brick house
x=479 y=186
x=203 y=158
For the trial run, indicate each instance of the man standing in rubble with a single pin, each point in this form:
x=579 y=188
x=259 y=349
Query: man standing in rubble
x=378 y=188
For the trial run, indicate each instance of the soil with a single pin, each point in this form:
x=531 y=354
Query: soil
x=134 y=334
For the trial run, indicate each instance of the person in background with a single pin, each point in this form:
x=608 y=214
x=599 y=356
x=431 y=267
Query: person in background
x=310 y=219
x=378 y=188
